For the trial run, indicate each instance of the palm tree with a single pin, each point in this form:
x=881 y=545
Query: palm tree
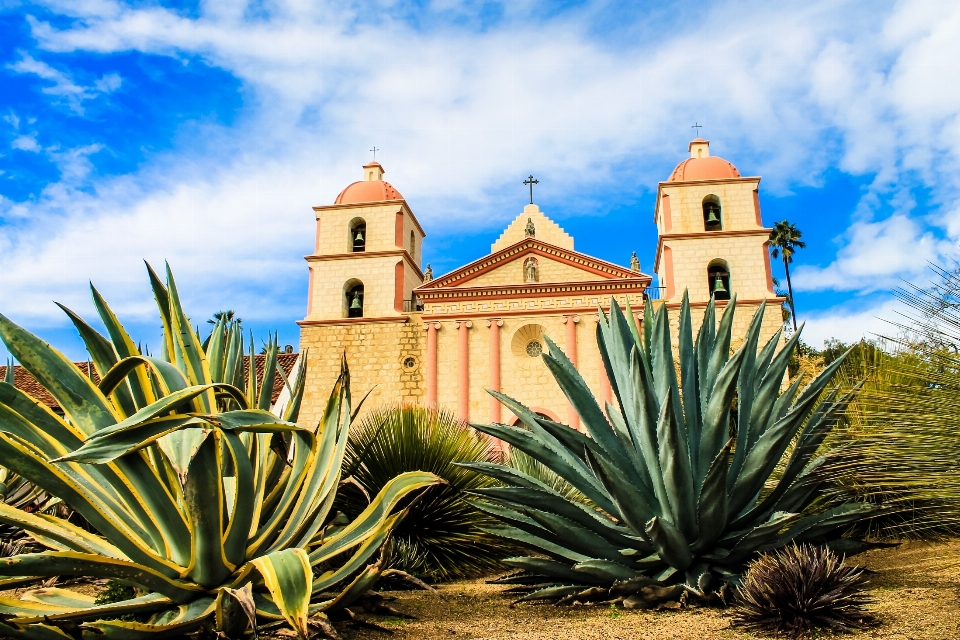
x=784 y=241
x=228 y=316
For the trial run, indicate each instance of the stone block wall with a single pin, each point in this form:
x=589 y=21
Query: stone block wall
x=738 y=205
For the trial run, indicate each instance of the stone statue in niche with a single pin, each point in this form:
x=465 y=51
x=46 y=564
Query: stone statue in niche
x=635 y=263
x=428 y=274
x=530 y=270
x=529 y=231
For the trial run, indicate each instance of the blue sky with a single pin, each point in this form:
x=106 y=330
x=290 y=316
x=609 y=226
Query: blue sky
x=202 y=133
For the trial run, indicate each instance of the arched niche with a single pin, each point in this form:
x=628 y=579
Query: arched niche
x=353 y=299
x=357 y=237
x=712 y=214
x=718 y=279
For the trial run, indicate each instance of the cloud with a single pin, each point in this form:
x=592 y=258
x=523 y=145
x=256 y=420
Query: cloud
x=789 y=91
x=64 y=86
x=877 y=255
x=26 y=143
x=852 y=322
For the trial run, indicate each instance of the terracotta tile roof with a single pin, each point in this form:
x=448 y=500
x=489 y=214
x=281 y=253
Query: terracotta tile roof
x=28 y=384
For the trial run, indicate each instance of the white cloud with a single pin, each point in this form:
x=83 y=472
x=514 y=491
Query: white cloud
x=64 y=87
x=26 y=143
x=860 y=318
x=877 y=255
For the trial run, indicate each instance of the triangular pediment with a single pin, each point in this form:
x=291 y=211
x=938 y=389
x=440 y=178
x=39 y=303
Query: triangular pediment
x=554 y=265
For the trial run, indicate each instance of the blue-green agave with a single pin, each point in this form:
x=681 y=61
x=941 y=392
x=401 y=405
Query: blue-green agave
x=215 y=508
x=681 y=496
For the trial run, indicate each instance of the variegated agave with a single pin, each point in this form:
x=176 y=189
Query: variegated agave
x=214 y=508
x=676 y=500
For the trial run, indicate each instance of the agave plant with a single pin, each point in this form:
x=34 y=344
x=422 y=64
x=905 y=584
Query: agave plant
x=678 y=500
x=801 y=588
x=213 y=507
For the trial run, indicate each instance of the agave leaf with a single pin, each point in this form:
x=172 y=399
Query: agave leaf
x=60 y=530
x=73 y=563
x=757 y=538
x=368 y=521
x=814 y=527
x=606 y=570
x=670 y=543
x=188 y=351
x=257 y=420
x=690 y=386
x=712 y=501
x=555 y=458
x=529 y=539
x=141 y=604
x=168 y=377
x=675 y=467
x=554 y=569
x=110 y=447
x=630 y=505
x=552 y=593
x=104 y=357
x=746 y=387
x=578 y=538
x=80 y=399
x=60 y=597
x=269 y=373
x=236 y=611
x=140 y=386
x=204 y=500
x=289 y=578
x=363 y=553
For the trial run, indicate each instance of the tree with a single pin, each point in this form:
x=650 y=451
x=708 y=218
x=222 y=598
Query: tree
x=784 y=241
x=227 y=316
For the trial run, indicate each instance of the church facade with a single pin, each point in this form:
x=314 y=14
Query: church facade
x=443 y=341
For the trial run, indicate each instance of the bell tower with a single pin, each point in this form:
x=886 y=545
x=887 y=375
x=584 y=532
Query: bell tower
x=366 y=258
x=712 y=241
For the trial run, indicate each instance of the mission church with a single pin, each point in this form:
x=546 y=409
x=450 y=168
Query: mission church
x=442 y=341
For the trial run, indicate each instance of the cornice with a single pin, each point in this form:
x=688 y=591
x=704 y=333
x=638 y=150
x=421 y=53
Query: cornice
x=349 y=321
x=488 y=314
x=763 y=231
x=378 y=203
x=396 y=253
x=534 y=246
x=531 y=290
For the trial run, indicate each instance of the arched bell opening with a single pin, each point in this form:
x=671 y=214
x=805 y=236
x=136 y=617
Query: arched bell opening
x=358 y=235
x=712 y=214
x=718 y=280
x=353 y=299
x=413 y=247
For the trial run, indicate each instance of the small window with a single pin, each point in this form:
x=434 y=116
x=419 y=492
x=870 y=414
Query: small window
x=718 y=280
x=353 y=299
x=413 y=246
x=712 y=216
x=358 y=235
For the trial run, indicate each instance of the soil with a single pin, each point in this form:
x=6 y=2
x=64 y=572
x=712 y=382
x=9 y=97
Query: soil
x=915 y=587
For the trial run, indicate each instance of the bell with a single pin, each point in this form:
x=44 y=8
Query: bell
x=356 y=302
x=718 y=286
x=712 y=216
x=358 y=237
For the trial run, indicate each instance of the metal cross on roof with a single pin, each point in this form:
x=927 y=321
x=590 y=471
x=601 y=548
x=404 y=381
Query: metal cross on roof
x=374 y=153
x=697 y=127
x=530 y=181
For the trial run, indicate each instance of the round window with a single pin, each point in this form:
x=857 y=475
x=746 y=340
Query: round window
x=409 y=363
x=534 y=348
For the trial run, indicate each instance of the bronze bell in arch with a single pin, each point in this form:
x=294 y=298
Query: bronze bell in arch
x=712 y=216
x=718 y=286
x=358 y=237
x=356 y=301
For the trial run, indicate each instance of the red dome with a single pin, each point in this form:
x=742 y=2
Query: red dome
x=709 y=168
x=368 y=191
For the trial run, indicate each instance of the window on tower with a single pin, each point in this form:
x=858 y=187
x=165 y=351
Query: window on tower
x=413 y=246
x=712 y=217
x=718 y=280
x=353 y=299
x=358 y=235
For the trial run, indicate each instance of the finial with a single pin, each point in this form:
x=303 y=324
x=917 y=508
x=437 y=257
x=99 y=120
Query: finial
x=697 y=127
x=428 y=274
x=529 y=231
x=374 y=152
x=530 y=181
x=634 y=263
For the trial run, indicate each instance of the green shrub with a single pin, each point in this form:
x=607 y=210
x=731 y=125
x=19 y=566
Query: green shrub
x=442 y=536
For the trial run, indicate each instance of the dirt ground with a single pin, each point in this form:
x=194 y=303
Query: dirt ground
x=916 y=588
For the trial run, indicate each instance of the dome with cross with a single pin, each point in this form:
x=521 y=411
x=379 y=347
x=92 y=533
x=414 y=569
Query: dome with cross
x=371 y=189
x=702 y=166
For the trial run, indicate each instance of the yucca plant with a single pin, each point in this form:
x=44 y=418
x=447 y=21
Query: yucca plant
x=801 y=588
x=213 y=507
x=681 y=492
x=442 y=537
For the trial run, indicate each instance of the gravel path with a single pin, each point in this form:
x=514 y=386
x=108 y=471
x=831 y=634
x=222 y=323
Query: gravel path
x=915 y=587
